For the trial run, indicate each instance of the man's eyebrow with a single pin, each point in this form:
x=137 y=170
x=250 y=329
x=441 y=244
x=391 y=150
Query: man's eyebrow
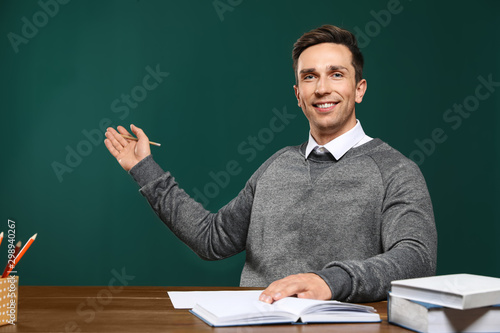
x=336 y=68
x=307 y=70
x=330 y=68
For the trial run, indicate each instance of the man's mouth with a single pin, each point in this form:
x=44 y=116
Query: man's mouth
x=328 y=106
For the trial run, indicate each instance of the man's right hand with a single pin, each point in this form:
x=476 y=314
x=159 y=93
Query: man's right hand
x=127 y=152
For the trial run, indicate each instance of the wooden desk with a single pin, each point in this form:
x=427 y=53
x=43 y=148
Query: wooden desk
x=140 y=309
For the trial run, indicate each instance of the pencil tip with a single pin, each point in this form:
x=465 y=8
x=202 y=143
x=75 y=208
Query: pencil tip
x=34 y=236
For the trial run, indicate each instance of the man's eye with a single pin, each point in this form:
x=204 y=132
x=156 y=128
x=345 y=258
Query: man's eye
x=308 y=77
x=338 y=75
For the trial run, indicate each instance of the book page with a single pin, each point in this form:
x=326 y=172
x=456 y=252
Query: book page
x=188 y=299
x=301 y=306
x=297 y=306
x=243 y=309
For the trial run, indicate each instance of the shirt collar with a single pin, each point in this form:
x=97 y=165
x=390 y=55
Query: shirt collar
x=340 y=145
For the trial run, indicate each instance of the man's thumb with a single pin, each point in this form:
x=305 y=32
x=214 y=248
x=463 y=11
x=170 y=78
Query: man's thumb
x=139 y=133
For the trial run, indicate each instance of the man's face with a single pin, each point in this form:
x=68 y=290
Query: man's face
x=326 y=90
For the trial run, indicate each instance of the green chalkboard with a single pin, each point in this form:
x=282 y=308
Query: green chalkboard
x=205 y=77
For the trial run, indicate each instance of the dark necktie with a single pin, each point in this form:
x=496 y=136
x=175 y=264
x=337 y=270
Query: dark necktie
x=321 y=150
x=321 y=154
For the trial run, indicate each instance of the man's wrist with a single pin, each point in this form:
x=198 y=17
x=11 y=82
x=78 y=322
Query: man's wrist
x=324 y=291
x=146 y=170
x=338 y=280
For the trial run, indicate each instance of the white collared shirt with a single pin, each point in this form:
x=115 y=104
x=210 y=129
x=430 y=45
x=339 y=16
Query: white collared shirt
x=339 y=146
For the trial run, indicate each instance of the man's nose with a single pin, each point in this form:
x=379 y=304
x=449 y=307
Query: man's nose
x=322 y=87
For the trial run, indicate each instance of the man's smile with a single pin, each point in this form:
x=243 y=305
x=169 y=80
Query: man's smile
x=325 y=106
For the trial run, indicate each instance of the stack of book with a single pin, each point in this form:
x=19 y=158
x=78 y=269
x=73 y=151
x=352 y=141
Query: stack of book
x=446 y=303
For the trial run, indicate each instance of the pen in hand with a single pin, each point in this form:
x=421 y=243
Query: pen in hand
x=128 y=137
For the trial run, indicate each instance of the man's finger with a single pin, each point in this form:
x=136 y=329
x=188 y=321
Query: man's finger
x=287 y=290
x=111 y=149
x=280 y=289
x=112 y=138
x=118 y=136
x=123 y=130
x=308 y=285
x=307 y=294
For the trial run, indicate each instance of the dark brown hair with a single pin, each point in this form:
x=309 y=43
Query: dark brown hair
x=329 y=34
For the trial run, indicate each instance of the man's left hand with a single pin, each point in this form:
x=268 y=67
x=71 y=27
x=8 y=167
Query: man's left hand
x=307 y=285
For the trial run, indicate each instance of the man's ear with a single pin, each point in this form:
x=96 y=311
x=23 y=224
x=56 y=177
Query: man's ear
x=297 y=94
x=360 y=90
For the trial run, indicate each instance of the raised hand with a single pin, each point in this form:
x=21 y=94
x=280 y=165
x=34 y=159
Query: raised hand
x=127 y=152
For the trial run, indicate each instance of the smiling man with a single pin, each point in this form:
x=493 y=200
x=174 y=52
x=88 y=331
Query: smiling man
x=338 y=217
x=327 y=90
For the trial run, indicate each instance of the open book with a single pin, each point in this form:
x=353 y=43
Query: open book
x=244 y=308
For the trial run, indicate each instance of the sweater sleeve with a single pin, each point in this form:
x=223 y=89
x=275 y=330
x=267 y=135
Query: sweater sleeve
x=409 y=240
x=212 y=236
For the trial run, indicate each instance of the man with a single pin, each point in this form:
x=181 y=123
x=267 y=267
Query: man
x=338 y=217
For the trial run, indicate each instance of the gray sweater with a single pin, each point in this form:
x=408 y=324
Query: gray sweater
x=359 y=222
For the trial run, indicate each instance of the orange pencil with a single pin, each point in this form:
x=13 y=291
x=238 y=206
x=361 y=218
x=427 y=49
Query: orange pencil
x=16 y=251
x=20 y=255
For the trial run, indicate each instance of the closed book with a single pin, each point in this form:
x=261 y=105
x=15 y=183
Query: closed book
x=239 y=311
x=457 y=291
x=432 y=318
